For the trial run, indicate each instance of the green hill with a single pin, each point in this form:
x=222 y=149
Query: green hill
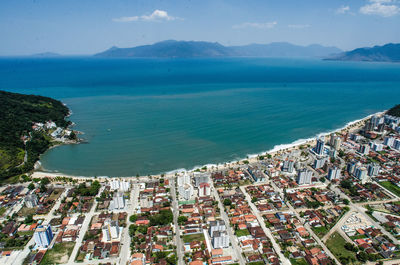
x=17 y=115
x=395 y=111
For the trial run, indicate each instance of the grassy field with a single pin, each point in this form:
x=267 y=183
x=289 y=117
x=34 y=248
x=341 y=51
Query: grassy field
x=336 y=245
x=194 y=237
x=301 y=261
x=243 y=232
x=320 y=231
x=2 y=210
x=59 y=254
x=391 y=187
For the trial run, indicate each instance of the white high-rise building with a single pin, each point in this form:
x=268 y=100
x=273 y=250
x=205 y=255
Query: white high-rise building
x=200 y=177
x=43 y=236
x=334 y=173
x=373 y=170
x=204 y=189
x=304 y=176
x=361 y=173
x=183 y=179
x=186 y=191
x=220 y=239
x=389 y=141
x=288 y=166
x=118 y=202
x=364 y=149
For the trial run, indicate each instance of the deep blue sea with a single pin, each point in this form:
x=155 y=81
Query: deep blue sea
x=147 y=116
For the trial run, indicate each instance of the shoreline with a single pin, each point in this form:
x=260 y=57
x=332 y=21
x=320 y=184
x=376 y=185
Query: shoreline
x=251 y=158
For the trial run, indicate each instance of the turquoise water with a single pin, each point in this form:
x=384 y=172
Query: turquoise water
x=147 y=116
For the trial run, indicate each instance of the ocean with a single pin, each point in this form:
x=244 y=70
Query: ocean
x=150 y=116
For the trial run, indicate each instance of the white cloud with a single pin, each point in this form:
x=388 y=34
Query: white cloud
x=384 y=8
x=266 y=25
x=299 y=26
x=157 y=15
x=343 y=10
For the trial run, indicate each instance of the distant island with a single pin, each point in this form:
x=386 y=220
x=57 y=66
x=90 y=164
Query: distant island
x=386 y=53
x=29 y=125
x=197 y=49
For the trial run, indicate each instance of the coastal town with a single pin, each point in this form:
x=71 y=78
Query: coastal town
x=330 y=200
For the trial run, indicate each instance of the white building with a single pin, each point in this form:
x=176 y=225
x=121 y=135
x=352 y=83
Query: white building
x=364 y=149
x=186 y=191
x=31 y=201
x=118 y=202
x=110 y=231
x=204 y=189
x=389 y=141
x=123 y=186
x=373 y=170
x=304 y=176
x=43 y=236
x=183 y=179
x=220 y=239
x=288 y=166
x=200 y=177
x=215 y=226
x=334 y=173
x=361 y=173
x=320 y=162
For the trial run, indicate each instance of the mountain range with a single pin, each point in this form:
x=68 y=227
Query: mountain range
x=190 y=49
x=387 y=53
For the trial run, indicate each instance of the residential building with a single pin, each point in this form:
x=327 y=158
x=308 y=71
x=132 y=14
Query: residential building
x=43 y=236
x=319 y=148
x=334 y=173
x=373 y=170
x=31 y=200
x=204 y=189
x=288 y=166
x=304 y=176
x=220 y=239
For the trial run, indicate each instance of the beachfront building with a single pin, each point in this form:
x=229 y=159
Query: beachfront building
x=335 y=141
x=183 y=179
x=334 y=173
x=319 y=148
x=43 y=236
x=200 y=178
x=304 y=177
x=123 y=186
x=31 y=200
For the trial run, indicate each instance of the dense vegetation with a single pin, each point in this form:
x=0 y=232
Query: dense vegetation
x=17 y=114
x=395 y=111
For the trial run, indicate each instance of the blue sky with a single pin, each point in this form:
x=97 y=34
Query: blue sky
x=86 y=27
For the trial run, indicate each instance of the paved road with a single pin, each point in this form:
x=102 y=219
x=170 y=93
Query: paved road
x=316 y=238
x=125 y=238
x=233 y=238
x=260 y=219
x=19 y=259
x=362 y=210
x=83 y=230
x=338 y=225
x=175 y=210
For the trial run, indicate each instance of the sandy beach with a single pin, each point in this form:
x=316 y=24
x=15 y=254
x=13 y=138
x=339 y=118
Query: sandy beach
x=350 y=127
